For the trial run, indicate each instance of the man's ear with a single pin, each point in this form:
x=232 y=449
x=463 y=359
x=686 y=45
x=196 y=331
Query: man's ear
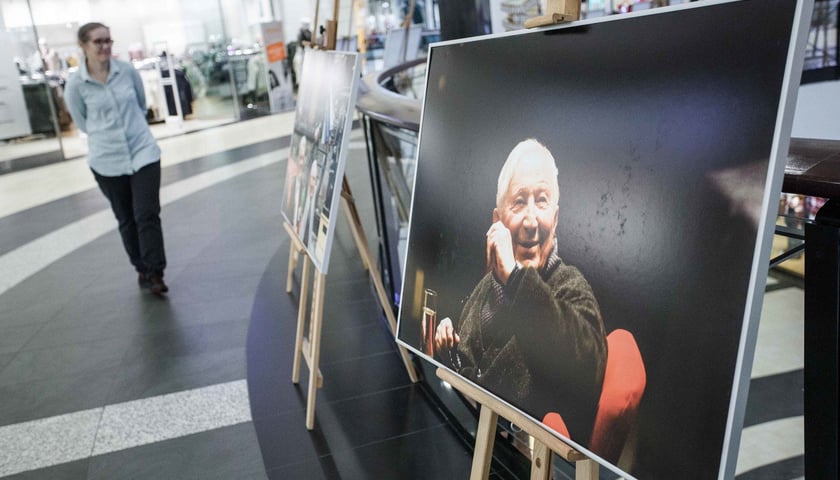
x=496 y=216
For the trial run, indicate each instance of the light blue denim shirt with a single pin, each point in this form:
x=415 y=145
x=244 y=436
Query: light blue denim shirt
x=113 y=115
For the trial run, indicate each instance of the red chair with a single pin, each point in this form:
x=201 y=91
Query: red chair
x=624 y=385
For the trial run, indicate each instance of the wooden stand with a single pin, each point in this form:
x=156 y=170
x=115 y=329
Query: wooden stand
x=309 y=347
x=544 y=443
x=355 y=221
x=556 y=11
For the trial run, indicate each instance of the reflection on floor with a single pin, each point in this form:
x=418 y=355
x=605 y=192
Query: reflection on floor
x=99 y=380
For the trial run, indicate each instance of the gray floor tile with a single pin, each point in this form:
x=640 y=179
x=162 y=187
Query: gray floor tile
x=66 y=471
x=179 y=313
x=29 y=314
x=56 y=396
x=5 y=358
x=56 y=363
x=12 y=339
x=157 y=375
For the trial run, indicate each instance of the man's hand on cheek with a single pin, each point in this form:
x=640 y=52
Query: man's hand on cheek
x=500 y=259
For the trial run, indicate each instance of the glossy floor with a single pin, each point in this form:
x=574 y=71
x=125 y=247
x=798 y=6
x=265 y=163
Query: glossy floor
x=99 y=380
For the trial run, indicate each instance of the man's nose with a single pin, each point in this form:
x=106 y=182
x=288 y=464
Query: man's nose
x=530 y=219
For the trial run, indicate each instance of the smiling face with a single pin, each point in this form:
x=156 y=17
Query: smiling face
x=528 y=207
x=97 y=46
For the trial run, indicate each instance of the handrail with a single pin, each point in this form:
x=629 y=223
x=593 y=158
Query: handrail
x=383 y=105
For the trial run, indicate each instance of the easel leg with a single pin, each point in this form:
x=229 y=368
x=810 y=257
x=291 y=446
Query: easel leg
x=361 y=245
x=586 y=470
x=304 y=291
x=315 y=345
x=540 y=462
x=485 y=437
x=293 y=257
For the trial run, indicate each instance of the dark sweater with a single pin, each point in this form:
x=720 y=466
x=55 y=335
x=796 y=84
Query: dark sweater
x=538 y=343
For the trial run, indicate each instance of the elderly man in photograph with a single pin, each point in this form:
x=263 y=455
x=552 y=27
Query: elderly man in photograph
x=531 y=331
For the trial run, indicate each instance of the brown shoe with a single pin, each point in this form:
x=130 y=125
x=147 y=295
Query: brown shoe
x=157 y=286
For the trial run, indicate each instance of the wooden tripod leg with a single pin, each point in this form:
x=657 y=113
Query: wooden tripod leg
x=586 y=470
x=540 y=462
x=361 y=245
x=485 y=437
x=315 y=345
x=304 y=291
x=293 y=255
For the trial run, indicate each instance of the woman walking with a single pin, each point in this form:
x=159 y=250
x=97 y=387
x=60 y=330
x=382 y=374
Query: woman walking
x=106 y=100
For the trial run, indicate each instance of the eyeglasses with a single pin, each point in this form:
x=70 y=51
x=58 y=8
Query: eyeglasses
x=102 y=42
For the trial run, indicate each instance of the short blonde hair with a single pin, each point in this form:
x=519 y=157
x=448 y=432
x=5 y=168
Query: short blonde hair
x=524 y=149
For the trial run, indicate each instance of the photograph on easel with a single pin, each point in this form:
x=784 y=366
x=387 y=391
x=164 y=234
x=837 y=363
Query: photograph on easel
x=591 y=223
x=324 y=115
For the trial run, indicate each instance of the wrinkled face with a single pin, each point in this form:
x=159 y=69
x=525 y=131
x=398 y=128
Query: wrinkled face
x=98 y=45
x=529 y=211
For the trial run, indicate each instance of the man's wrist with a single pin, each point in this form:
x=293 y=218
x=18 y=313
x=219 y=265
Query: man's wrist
x=513 y=278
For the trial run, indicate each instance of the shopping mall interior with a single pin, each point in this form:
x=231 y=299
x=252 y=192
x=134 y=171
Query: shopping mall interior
x=100 y=379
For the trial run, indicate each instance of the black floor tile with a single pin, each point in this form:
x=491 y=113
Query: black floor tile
x=345 y=343
x=223 y=453
x=433 y=454
x=343 y=425
x=56 y=396
x=65 y=471
x=284 y=440
x=361 y=420
x=362 y=376
x=775 y=397
x=57 y=363
x=322 y=468
x=787 y=469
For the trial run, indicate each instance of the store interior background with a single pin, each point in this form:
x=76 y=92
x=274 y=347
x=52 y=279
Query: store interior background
x=212 y=45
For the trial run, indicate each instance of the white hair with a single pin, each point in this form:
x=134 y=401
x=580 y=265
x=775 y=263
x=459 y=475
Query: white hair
x=526 y=148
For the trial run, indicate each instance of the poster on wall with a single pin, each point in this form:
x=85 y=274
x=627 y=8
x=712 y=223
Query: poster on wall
x=323 y=118
x=591 y=223
x=280 y=91
x=14 y=118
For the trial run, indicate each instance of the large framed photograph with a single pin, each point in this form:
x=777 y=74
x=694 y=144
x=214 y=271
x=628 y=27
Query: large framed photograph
x=592 y=220
x=315 y=169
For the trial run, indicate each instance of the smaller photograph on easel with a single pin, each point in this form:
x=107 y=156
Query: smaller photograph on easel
x=317 y=154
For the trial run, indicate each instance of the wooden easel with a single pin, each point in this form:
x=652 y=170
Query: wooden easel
x=355 y=222
x=556 y=11
x=308 y=347
x=544 y=443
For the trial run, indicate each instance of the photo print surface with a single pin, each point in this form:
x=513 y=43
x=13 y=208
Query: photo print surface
x=591 y=220
x=324 y=115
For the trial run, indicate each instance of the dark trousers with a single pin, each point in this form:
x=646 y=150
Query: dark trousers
x=135 y=200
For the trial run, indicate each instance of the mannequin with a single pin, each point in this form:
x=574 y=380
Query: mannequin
x=52 y=60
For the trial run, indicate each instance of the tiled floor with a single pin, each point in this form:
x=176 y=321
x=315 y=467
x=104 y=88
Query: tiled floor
x=84 y=354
